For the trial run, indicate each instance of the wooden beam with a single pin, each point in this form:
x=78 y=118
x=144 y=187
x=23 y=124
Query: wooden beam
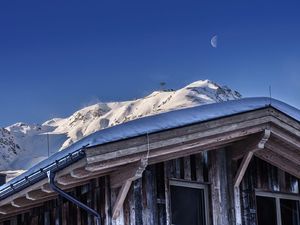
x=279 y=161
x=288 y=128
x=79 y=164
x=46 y=188
x=260 y=144
x=182 y=149
x=241 y=148
x=286 y=151
x=121 y=198
x=212 y=134
x=8 y=211
x=252 y=148
x=288 y=137
x=3 y=212
x=237 y=205
x=131 y=172
x=38 y=194
x=25 y=202
x=22 y=193
x=242 y=169
x=80 y=173
x=256 y=117
x=16 y=204
x=69 y=180
x=66 y=180
x=125 y=177
x=218 y=173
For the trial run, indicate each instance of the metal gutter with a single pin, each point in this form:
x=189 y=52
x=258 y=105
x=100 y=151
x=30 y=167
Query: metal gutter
x=51 y=176
x=42 y=173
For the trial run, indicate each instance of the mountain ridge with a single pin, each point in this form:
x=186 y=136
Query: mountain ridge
x=23 y=145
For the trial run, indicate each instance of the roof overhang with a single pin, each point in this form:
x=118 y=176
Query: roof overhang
x=282 y=150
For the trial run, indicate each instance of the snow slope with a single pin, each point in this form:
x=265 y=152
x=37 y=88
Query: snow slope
x=23 y=145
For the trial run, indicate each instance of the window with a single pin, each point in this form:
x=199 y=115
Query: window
x=289 y=212
x=277 y=209
x=188 y=203
x=266 y=210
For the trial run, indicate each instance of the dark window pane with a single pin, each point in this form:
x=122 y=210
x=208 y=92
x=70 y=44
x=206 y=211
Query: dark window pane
x=187 y=205
x=266 y=210
x=289 y=212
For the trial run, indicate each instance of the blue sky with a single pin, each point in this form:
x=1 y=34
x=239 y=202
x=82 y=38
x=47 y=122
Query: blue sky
x=58 y=56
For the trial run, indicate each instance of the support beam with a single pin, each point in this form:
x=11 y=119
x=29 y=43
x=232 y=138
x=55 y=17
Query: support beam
x=25 y=202
x=38 y=195
x=80 y=173
x=22 y=193
x=66 y=180
x=125 y=178
x=260 y=144
x=242 y=169
x=121 y=198
x=14 y=203
x=8 y=211
x=46 y=188
x=131 y=172
x=218 y=173
x=237 y=205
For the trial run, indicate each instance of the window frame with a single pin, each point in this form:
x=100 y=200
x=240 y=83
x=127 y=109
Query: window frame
x=196 y=185
x=277 y=196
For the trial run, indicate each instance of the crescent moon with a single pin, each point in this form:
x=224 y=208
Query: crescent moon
x=214 y=41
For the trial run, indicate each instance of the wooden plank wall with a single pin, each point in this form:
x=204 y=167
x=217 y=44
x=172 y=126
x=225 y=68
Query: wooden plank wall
x=62 y=212
x=148 y=200
x=145 y=204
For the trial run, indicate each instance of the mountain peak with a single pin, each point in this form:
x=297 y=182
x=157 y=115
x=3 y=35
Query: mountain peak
x=203 y=83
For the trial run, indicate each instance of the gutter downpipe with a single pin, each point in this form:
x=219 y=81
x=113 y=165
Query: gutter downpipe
x=51 y=176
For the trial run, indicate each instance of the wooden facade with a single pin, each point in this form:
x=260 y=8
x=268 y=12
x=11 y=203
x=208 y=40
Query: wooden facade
x=232 y=160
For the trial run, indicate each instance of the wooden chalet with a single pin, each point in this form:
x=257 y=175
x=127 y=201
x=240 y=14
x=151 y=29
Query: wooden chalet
x=230 y=163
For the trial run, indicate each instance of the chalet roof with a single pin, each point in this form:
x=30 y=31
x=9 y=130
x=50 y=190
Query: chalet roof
x=148 y=125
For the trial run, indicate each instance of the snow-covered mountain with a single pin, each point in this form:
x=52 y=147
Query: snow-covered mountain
x=23 y=145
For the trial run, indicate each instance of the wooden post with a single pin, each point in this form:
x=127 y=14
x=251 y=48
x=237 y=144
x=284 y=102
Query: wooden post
x=150 y=197
x=137 y=193
x=107 y=201
x=187 y=168
x=167 y=192
x=219 y=189
x=199 y=167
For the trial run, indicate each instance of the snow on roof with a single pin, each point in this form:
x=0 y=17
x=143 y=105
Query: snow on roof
x=164 y=121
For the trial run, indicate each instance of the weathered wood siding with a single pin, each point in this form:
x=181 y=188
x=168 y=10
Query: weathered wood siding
x=148 y=200
x=145 y=203
x=263 y=176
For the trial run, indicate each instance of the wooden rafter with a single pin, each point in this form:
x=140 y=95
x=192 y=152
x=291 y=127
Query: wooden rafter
x=290 y=153
x=276 y=159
